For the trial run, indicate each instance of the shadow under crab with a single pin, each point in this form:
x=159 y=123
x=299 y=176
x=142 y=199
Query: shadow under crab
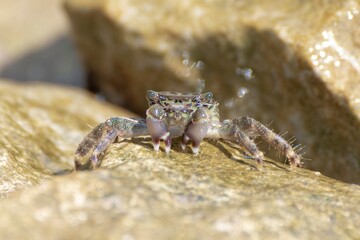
x=191 y=116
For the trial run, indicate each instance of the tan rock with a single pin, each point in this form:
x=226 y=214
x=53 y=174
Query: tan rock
x=140 y=194
x=20 y=27
x=35 y=43
x=292 y=63
x=40 y=128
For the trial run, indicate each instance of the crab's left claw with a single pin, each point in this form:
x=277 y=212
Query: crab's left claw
x=196 y=130
x=87 y=147
x=104 y=134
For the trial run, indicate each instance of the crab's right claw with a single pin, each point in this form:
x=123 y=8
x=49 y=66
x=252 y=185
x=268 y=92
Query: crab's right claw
x=103 y=135
x=157 y=127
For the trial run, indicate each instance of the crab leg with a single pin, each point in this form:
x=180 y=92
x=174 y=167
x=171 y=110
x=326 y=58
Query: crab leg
x=104 y=134
x=250 y=124
x=236 y=129
x=232 y=132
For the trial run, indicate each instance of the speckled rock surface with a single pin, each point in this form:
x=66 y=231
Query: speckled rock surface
x=140 y=194
x=292 y=63
x=40 y=127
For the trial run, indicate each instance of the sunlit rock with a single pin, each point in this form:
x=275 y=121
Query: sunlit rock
x=40 y=128
x=138 y=193
x=294 y=64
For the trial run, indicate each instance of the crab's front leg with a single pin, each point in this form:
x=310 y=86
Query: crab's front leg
x=252 y=126
x=230 y=131
x=241 y=128
x=196 y=129
x=157 y=127
x=104 y=134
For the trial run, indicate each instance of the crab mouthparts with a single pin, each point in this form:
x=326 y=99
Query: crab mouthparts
x=177 y=116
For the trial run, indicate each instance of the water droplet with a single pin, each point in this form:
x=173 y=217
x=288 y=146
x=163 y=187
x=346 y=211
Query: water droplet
x=318 y=47
x=242 y=92
x=314 y=57
x=200 y=65
x=328 y=59
x=186 y=62
x=349 y=15
x=325 y=34
x=322 y=54
x=327 y=73
x=355 y=11
x=247 y=73
x=325 y=44
x=186 y=55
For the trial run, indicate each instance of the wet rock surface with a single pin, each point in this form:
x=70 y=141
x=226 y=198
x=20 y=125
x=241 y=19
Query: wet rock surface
x=291 y=63
x=40 y=126
x=140 y=194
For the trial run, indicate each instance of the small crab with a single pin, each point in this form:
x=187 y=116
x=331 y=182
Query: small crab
x=191 y=116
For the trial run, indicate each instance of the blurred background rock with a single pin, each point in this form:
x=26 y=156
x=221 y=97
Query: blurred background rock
x=35 y=44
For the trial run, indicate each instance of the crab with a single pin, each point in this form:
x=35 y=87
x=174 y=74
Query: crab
x=191 y=116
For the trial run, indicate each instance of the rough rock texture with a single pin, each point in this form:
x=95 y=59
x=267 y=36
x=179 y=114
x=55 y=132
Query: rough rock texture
x=40 y=127
x=144 y=195
x=292 y=63
x=141 y=194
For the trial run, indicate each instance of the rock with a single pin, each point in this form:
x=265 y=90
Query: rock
x=40 y=127
x=33 y=50
x=20 y=26
x=288 y=62
x=140 y=194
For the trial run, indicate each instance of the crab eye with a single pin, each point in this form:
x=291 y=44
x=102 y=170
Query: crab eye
x=209 y=96
x=156 y=112
x=108 y=122
x=151 y=94
x=199 y=115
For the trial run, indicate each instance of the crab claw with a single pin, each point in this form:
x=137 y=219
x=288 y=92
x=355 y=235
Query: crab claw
x=196 y=130
x=157 y=127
